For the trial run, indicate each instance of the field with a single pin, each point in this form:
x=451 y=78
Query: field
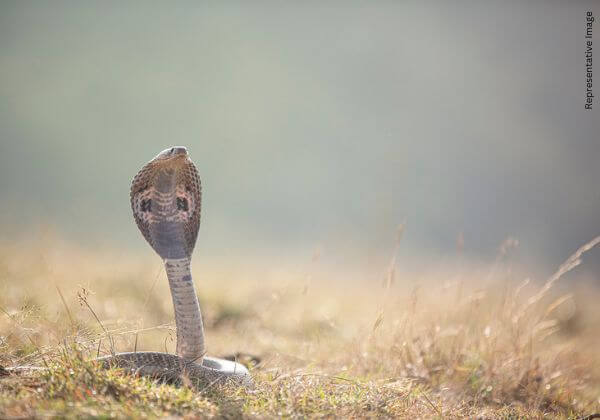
x=445 y=342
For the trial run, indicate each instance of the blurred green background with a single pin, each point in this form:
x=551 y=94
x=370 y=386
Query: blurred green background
x=313 y=125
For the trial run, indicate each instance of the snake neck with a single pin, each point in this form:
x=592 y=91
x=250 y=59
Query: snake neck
x=188 y=319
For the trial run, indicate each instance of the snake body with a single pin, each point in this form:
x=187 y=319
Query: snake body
x=166 y=201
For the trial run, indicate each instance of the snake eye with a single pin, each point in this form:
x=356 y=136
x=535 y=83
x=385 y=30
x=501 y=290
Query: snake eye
x=182 y=204
x=146 y=205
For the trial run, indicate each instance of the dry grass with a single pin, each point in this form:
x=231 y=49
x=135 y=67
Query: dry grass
x=435 y=344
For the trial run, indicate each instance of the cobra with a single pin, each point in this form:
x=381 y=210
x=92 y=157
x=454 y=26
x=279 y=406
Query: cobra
x=166 y=202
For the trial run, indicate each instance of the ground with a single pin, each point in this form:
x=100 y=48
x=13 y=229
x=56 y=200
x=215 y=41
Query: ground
x=452 y=342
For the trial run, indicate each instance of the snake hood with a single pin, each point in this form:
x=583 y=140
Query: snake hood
x=166 y=202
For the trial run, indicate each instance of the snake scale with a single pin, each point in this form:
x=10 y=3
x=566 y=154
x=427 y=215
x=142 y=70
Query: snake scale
x=166 y=200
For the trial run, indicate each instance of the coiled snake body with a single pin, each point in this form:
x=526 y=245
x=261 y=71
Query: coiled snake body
x=165 y=199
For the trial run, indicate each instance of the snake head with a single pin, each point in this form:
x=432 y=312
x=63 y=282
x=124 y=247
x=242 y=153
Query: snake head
x=172 y=154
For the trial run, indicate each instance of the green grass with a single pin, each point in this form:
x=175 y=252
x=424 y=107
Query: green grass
x=451 y=344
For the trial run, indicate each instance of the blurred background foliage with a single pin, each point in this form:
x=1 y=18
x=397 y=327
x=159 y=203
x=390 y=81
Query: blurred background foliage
x=314 y=126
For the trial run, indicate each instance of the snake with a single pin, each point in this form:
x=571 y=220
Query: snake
x=165 y=199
